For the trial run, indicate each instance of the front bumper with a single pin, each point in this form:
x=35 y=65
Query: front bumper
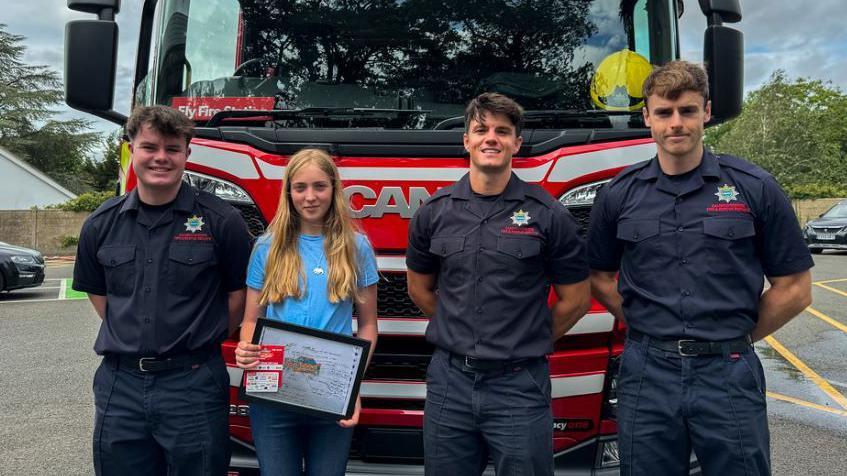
x=581 y=460
x=18 y=276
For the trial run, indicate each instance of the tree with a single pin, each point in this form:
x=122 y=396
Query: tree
x=795 y=129
x=103 y=174
x=28 y=129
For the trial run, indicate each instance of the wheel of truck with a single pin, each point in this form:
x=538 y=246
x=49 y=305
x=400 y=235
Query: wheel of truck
x=816 y=251
x=2 y=283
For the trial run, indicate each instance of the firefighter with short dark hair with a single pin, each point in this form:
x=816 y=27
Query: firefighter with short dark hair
x=164 y=267
x=493 y=245
x=692 y=236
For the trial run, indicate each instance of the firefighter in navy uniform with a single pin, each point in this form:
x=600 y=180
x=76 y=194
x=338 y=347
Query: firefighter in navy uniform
x=492 y=246
x=693 y=236
x=164 y=267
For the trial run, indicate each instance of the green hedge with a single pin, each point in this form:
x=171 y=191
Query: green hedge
x=87 y=202
x=816 y=190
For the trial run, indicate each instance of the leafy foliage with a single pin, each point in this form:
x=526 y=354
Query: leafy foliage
x=87 y=202
x=28 y=127
x=796 y=130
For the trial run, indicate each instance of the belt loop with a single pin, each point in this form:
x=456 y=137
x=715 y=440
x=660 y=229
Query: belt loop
x=112 y=361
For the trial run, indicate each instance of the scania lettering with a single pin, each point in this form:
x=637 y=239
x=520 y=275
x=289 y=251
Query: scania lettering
x=390 y=200
x=382 y=86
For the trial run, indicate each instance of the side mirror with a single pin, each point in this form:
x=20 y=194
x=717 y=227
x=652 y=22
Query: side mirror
x=728 y=10
x=723 y=53
x=91 y=48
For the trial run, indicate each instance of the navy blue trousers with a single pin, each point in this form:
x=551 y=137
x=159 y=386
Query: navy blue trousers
x=172 y=422
x=469 y=416
x=669 y=405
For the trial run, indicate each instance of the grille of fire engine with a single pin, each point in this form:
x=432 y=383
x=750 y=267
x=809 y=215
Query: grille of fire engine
x=393 y=297
x=581 y=215
x=255 y=223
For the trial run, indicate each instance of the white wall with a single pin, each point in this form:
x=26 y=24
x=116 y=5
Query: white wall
x=22 y=187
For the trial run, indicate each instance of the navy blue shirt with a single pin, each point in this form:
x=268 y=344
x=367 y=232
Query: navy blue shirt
x=166 y=282
x=693 y=250
x=495 y=260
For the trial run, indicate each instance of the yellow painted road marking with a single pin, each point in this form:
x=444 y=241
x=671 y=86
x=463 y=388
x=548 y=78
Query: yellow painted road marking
x=808 y=372
x=830 y=281
x=803 y=403
x=826 y=318
x=830 y=288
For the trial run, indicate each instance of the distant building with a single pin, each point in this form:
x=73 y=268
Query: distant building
x=22 y=186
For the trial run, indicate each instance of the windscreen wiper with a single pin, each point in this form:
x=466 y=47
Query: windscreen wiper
x=575 y=118
x=316 y=113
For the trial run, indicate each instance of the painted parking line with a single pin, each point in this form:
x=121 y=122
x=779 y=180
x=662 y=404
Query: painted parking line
x=804 y=403
x=830 y=288
x=822 y=383
x=827 y=281
x=69 y=292
x=826 y=319
x=65 y=292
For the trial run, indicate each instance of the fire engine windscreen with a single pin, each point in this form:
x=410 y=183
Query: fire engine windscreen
x=419 y=61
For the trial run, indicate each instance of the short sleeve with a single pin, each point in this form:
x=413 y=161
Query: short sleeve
x=566 y=251
x=89 y=276
x=234 y=251
x=256 y=266
x=418 y=257
x=366 y=261
x=604 y=249
x=783 y=250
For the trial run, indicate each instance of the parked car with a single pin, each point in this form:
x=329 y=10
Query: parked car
x=829 y=231
x=20 y=267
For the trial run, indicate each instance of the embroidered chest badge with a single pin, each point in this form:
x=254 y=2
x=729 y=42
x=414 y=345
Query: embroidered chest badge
x=520 y=218
x=194 y=224
x=727 y=193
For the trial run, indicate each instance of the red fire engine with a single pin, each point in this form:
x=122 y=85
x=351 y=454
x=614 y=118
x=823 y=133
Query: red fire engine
x=382 y=86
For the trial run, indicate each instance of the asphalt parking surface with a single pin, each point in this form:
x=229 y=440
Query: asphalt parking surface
x=48 y=364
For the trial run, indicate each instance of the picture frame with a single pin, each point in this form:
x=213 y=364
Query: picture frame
x=322 y=371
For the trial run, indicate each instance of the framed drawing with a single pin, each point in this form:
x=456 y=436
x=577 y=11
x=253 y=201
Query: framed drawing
x=306 y=370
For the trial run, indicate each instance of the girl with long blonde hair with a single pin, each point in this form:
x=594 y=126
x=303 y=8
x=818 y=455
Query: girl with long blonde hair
x=310 y=269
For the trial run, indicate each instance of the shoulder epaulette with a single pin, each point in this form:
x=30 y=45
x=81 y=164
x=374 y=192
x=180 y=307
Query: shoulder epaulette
x=108 y=205
x=627 y=172
x=742 y=165
x=540 y=194
x=442 y=192
x=212 y=202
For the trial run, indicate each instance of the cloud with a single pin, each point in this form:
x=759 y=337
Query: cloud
x=806 y=39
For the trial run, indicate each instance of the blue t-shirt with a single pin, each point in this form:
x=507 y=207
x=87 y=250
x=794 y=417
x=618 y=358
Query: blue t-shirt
x=314 y=309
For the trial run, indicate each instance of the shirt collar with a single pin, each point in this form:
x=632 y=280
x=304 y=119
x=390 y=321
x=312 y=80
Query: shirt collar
x=709 y=167
x=515 y=189
x=184 y=200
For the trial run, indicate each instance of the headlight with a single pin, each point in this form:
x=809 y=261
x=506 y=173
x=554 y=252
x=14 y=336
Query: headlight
x=583 y=195
x=223 y=189
x=22 y=259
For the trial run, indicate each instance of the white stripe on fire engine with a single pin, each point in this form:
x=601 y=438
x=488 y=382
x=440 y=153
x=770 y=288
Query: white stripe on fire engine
x=434 y=174
x=233 y=163
x=570 y=167
x=564 y=386
x=589 y=324
x=391 y=263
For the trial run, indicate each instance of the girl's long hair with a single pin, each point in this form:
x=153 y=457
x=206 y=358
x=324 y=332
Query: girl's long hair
x=284 y=271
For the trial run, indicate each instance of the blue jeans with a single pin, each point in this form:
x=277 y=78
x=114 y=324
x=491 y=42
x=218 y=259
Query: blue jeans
x=471 y=415
x=290 y=443
x=670 y=405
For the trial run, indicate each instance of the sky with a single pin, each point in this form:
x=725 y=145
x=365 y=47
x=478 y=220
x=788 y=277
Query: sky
x=804 y=38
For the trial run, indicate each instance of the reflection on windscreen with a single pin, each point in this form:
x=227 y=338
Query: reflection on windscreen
x=429 y=56
x=838 y=211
